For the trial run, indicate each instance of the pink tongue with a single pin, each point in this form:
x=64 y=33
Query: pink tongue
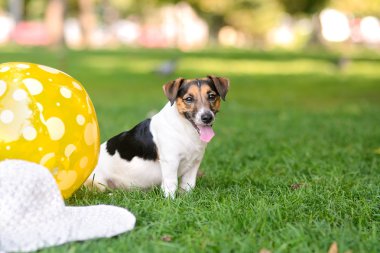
x=206 y=133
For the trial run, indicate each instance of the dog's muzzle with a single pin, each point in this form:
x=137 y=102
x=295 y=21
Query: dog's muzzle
x=207 y=118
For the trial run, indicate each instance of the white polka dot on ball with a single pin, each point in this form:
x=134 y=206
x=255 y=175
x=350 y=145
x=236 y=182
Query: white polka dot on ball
x=83 y=162
x=76 y=85
x=4 y=69
x=46 y=158
x=80 y=119
x=33 y=85
x=22 y=66
x=88 y=104
x=3 y=87
x=19 y=95
x=48 y=69
x=56 y=128
x=89 y=131
x=39 y=106
x=70 y=149
x=65 y=92
x=29 y=133
x=6 y=116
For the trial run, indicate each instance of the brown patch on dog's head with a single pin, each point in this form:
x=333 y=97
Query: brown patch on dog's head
x=221 y=84
x=186 y=98
x=210 y=94
x=171 y=89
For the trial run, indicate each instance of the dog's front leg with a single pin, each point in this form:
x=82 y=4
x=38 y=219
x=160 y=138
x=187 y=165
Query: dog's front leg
x=169 y=170
x=190 y=176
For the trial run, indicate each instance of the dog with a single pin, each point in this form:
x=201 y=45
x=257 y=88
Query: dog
x=168 y=146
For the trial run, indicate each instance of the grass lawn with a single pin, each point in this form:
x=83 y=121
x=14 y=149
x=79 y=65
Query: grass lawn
x=294 y=166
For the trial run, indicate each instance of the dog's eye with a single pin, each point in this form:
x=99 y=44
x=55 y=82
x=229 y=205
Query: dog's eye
x=211 y=97
x=189 y=100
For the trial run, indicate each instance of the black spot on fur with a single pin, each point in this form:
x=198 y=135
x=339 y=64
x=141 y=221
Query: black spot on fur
x=136 y=142
x=185 y=86
x=183 y=89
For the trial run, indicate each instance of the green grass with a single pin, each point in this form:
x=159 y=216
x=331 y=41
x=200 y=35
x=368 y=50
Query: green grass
x=292 y=168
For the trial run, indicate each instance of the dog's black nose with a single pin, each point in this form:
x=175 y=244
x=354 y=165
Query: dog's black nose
x=207 y=118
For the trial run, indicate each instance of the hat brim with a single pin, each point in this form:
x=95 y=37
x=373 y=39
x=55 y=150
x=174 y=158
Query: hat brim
x=68 y=225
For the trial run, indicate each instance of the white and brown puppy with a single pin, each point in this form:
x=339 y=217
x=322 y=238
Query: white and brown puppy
x=169 y=145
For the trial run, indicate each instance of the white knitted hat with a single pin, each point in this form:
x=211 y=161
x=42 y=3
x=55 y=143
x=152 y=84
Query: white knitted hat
x=33 y=214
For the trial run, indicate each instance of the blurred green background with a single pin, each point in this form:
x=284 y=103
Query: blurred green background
x=294 y=165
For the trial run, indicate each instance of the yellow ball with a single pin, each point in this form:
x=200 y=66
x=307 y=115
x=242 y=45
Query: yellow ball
x=47 y=117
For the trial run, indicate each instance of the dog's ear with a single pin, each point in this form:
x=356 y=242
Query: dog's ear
x=171 y=89
x=221 y=84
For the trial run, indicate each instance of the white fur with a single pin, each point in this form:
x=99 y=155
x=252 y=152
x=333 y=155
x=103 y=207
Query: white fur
x=180 y=153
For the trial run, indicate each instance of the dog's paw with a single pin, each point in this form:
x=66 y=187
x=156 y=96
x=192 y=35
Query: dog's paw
x=170 y=195
x=186 y=187
x=169 y=190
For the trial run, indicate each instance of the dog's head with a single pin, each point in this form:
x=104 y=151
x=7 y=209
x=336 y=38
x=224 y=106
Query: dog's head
x=198 y=100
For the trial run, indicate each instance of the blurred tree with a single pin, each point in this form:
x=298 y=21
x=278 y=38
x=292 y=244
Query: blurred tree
x=312 y=8
x=254 y=17
x=72 y=8
x=35 y=9
x=87 y=19
x=54 y=19
x=358 y=7
x=110 y=13
x=308 y=7
x=16 y=8
x=123 y=6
